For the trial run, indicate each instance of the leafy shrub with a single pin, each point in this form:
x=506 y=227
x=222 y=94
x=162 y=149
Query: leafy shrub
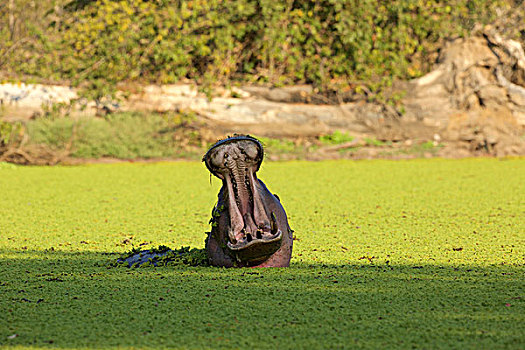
x=372 y=141
x=336 y=138
x=346 y=46
x=9 y=132
x=120 y=135
x=277 y=145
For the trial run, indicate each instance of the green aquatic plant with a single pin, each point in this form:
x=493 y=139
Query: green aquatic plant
x=387 y=254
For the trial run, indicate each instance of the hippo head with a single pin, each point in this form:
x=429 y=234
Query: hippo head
x=249 y=225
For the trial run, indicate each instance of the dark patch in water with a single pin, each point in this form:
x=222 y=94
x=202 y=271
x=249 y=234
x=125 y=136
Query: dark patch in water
x=162 y=256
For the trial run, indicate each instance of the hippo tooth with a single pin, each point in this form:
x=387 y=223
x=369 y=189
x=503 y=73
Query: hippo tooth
x=274 y=224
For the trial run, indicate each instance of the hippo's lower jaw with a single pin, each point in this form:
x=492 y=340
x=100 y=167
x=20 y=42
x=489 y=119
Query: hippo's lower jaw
x=257 y=250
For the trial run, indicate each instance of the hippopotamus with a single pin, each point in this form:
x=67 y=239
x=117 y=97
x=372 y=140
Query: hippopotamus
x=249 y=225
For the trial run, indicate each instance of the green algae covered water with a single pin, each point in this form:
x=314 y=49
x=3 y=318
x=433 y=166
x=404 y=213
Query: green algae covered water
x=387 y=254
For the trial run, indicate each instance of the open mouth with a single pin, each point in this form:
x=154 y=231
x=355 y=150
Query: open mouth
x=253 y=233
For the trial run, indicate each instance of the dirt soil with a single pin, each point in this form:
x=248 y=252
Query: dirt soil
x=465 y=136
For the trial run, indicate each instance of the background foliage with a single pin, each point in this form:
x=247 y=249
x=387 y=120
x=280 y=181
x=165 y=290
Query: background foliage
x=346 y=46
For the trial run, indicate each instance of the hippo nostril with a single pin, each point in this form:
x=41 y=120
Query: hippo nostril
x=259 y=235
x=249 y=237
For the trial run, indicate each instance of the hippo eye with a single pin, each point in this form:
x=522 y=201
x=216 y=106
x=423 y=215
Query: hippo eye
x=217 y=158
x=251 y=150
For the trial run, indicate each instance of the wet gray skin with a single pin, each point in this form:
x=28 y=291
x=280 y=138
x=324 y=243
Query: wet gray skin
x=249 y=224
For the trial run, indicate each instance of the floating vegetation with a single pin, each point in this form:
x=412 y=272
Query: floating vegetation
x=161 y=256
x=425 y=254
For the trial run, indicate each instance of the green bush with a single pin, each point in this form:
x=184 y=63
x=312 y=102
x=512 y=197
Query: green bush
x=346 y=46
x=9 y=133
x=120 y=135
x=336 y=138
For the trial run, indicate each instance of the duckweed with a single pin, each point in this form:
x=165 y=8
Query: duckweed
x=387 y=254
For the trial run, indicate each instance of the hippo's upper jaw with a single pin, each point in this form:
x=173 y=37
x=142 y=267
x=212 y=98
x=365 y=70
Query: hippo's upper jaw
x=251 y=230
